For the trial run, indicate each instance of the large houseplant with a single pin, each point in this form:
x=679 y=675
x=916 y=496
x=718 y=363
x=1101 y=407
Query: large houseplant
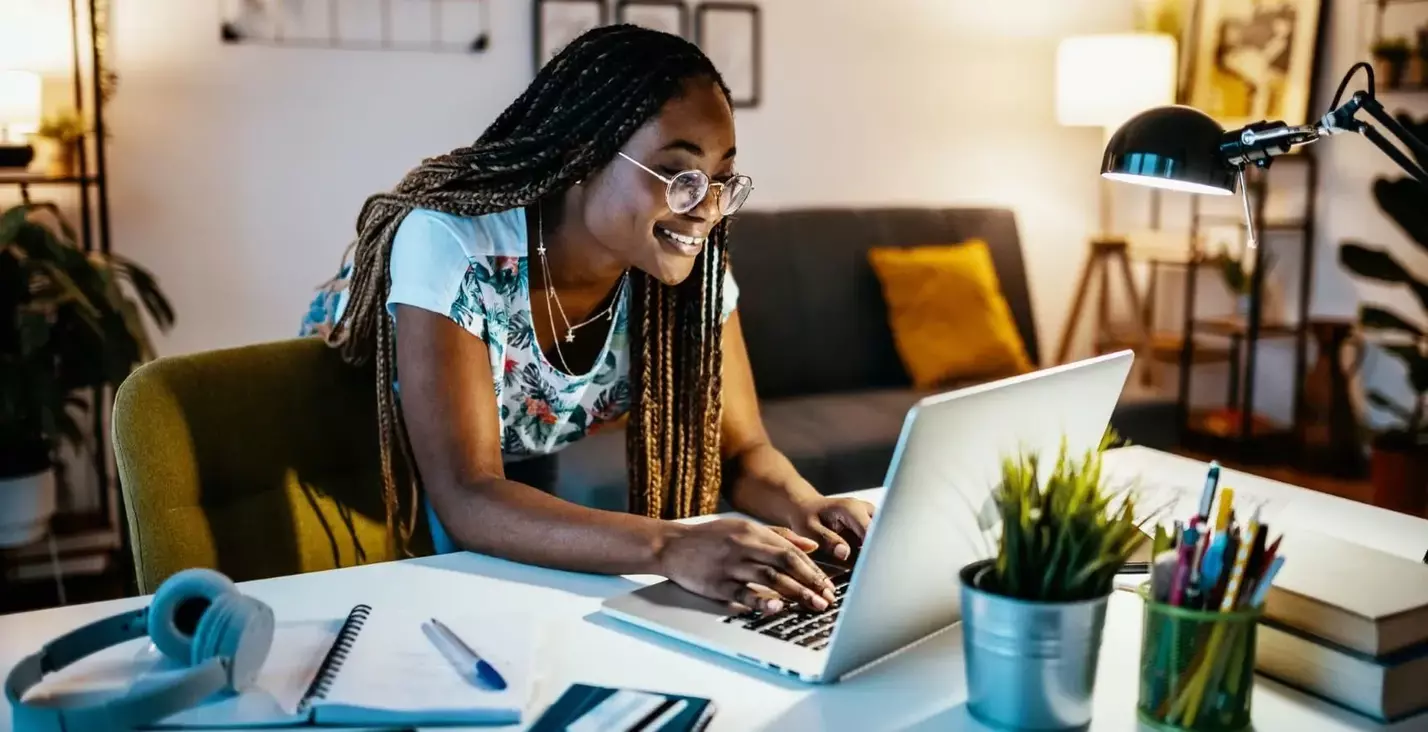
x=1032 y=615
x=1399 y=460
x=69 y=320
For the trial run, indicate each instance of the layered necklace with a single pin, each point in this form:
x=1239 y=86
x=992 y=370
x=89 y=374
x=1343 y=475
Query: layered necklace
x=552 y=300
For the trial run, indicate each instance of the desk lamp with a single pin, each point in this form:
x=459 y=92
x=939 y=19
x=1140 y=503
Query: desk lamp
x=19 y=116
x=1181 y=148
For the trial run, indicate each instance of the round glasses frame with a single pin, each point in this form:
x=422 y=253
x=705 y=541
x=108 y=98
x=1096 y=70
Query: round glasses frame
x=741 y=184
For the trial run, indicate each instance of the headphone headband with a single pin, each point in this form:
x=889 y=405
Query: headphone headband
x=241 y=629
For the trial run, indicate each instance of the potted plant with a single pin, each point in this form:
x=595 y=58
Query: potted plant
x=1398 y=463
x=1239 y=277
x=1390 y=56
x=1032 y=615
x=64 y=132
x=69 y=320
x=1418 y=62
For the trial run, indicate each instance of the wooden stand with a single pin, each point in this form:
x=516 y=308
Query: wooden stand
x=1098 y=265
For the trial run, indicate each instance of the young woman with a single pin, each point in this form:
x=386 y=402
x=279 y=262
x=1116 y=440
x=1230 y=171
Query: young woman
x=566 y=270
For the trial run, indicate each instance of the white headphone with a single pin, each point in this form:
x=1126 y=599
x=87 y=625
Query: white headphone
x=198 y=617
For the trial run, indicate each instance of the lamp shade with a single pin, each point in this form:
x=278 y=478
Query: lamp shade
x=1174 y=147
x=1104 y=80
x=19 y=101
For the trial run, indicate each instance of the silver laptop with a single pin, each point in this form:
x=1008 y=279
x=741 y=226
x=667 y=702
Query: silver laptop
x=901 y=585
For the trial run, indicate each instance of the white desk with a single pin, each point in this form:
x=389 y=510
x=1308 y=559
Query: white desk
x=920 y=689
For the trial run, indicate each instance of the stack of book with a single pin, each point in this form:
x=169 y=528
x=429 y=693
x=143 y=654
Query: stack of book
x=1349 y=624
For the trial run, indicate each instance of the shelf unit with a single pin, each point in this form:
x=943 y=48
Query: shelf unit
x=101 y=533
x=1237 y=432
x=1380 y=7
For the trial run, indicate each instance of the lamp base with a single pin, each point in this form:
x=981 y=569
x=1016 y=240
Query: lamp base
x=16 y=156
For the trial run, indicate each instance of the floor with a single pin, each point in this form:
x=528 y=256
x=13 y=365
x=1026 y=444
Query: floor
x=39 y=595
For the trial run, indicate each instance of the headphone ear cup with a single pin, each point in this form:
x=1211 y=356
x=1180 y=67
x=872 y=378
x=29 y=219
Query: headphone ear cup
x=180 y=606
x=237 y=629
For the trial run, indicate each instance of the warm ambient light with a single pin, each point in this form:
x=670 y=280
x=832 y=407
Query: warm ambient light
x=1104 y=80
x=1168 y=184
x=19 y=105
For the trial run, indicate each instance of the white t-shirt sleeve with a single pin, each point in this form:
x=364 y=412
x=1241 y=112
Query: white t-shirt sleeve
x=730 y=299
x=428 y=264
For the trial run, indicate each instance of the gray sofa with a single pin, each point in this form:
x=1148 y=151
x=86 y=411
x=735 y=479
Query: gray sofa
x=833 y=392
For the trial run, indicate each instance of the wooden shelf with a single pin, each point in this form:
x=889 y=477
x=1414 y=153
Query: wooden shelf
x=1235 y=326
x=1165 y=348
x=1290 y=225
x=41 y=179
x=1217 y=432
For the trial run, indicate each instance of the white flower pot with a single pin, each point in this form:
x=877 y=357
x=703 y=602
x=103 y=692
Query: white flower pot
x=26 y=505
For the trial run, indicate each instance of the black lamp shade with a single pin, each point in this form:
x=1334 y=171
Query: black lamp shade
x=1174 y=147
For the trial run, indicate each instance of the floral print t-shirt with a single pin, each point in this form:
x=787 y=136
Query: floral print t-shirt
x=476 y=271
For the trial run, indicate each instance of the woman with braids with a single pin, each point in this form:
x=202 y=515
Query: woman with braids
x=564 y=271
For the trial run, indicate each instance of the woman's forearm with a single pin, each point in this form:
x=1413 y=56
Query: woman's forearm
x=767 y=485
x=518 y=522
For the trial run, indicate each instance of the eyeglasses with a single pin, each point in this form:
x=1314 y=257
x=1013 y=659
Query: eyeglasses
x=685 y=191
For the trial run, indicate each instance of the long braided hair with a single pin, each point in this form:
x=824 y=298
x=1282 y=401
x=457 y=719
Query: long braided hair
x=581 y=108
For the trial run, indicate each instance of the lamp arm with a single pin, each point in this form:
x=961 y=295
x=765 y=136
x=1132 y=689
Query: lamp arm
x=1392 y=151
x=1257 y=143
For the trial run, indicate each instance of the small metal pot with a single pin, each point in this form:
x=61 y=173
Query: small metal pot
x=1030 y=665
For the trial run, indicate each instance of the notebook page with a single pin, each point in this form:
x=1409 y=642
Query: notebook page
x=397 y=672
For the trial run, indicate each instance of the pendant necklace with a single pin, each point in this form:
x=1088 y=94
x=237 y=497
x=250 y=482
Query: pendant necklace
x=552 y=298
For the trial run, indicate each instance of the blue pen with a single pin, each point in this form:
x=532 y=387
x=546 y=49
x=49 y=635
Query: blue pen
x=1262 y=589
x=1207 y=498
x=1214 y=561
x=484 y=671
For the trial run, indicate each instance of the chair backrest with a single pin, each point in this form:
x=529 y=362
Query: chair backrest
x=257 y=461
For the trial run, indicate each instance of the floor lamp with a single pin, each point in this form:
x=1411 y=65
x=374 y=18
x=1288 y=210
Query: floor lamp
x=1102 y=81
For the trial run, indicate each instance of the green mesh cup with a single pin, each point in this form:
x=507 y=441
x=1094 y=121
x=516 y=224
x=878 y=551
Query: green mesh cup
x=1196 y=667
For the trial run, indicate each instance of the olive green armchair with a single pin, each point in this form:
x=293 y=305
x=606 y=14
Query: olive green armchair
x=257 y=461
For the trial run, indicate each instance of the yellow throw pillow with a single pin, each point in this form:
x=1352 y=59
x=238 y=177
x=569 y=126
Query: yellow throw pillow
x=949 y=319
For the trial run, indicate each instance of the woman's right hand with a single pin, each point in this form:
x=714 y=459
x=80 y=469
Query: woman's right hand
x=745 y=563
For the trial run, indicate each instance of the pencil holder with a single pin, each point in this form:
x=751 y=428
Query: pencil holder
x=1196 y=667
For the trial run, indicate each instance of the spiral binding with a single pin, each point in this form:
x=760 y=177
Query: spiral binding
x=336 y=655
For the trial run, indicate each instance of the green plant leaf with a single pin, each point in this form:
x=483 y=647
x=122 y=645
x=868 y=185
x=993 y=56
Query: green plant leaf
x=69 y=323
x=1376 y=263
x=1374 y=317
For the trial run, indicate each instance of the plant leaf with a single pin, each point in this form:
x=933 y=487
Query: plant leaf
x=1378 y=318
x=1377 y=264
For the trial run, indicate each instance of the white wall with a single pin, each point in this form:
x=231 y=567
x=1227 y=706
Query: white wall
x=238 y=171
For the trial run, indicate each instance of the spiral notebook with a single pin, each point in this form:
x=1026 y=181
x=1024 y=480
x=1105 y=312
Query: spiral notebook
x=378 y=667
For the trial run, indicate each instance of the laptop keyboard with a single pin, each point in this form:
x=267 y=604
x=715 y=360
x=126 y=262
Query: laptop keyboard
x=797 y=624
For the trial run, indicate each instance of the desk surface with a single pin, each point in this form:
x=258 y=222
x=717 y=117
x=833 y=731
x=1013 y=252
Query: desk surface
x=922 y=688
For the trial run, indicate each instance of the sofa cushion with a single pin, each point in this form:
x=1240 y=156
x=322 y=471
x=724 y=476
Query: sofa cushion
x=948 y=316
x=812 y=311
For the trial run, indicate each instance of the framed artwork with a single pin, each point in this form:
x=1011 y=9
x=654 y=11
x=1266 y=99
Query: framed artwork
x=410 y=25
x=669 y=16
x=1253 y=60
x=731 y=35
x=558 y=22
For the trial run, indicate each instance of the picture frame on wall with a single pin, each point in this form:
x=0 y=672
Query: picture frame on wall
x=731 y=34
x=558 y=22
x=1252 y=60
x=670 y=16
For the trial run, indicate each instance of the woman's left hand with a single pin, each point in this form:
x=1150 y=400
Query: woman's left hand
x=827 y=520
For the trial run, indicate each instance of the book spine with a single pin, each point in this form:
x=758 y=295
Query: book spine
x=336 y=655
